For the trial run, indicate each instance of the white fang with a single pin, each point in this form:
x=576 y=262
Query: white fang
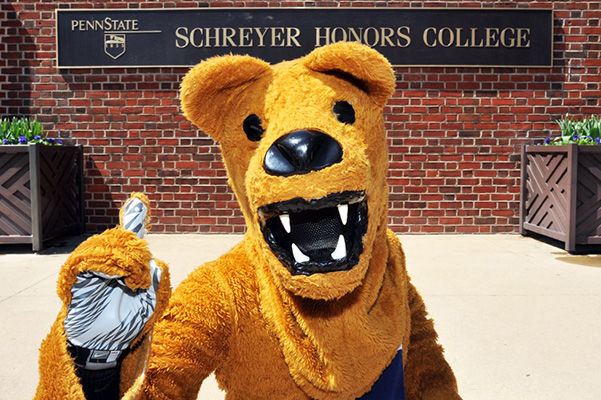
x=343 y=211
x=299 y=257
x=285 y=219
x=340 y=251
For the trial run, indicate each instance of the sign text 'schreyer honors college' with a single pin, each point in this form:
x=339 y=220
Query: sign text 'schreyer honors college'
x=407 y=37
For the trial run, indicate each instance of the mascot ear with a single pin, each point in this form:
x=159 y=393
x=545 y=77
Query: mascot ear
x=208 y=89
x=364 y=67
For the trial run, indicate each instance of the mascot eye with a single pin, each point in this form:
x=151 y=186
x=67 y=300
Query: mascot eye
x=252 y=127
x=344 y=112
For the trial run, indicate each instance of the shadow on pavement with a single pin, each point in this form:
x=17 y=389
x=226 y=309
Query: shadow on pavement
x=584 y=260
x=580 y=249
x=62 y=245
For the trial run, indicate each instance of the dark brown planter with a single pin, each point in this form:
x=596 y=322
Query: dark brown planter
x=41 y=193
x=561 y=193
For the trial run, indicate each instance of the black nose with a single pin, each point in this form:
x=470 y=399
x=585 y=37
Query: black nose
x=301 y=152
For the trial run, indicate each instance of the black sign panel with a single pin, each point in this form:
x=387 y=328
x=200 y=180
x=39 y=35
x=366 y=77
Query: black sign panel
x=407 y=37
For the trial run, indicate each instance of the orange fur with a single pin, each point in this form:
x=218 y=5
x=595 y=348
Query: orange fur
x=265 y=332
x=57 y=371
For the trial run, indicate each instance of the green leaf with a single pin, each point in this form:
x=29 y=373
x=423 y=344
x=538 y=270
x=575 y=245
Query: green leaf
x=587 y=129
x=14 y=128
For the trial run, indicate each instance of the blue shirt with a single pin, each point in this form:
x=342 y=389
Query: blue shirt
x=391 y=384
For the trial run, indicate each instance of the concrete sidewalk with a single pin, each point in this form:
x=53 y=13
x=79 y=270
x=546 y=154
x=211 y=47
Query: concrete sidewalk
x=519 y=319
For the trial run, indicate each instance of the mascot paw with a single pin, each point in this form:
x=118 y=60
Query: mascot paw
x=113 y=289
x=105 y=316
x=116 y=253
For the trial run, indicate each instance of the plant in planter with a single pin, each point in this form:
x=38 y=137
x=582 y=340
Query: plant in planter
x=41 y=185
x=561 y=185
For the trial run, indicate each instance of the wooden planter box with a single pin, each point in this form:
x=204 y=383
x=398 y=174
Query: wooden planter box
x=41 y=193
x=561 y=193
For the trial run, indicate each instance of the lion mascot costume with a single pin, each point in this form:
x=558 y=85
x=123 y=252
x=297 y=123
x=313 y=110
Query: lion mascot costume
x=314 y=303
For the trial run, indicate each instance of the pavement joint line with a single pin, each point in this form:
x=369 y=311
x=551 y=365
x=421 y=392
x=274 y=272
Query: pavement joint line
x=27 y=288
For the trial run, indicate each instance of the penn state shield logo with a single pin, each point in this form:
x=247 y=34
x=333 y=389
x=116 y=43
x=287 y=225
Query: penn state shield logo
x=114 y=45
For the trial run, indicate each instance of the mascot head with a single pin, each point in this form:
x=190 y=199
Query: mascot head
x=305 y=148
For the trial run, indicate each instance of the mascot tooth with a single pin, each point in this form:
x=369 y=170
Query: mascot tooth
x=314 y=303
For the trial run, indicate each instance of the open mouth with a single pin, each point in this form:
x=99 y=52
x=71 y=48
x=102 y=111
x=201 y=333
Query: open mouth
x=317 y=236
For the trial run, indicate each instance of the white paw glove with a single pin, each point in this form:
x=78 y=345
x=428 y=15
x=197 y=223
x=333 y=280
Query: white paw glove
x=133 y=217
x=105 y=316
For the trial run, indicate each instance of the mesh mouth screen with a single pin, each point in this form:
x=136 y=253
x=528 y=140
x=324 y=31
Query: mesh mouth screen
x=316 y=231
x=306 y=235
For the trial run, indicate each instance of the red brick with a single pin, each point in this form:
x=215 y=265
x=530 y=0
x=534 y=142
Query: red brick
x=452 y=131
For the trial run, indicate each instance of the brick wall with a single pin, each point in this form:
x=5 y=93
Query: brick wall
x=454 y=133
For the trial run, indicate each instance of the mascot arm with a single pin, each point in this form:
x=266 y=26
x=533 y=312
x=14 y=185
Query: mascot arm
x=192 y=338
x=428 y=375
x=112 y=293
